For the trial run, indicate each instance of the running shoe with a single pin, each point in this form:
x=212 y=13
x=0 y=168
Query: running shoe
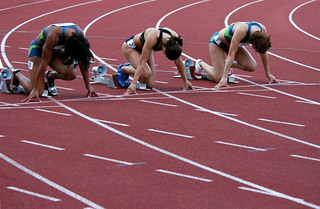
x=122 y=77
x=51 y=87
x=198 y=69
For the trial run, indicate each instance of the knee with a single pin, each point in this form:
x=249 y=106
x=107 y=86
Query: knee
x=252 y=67
x=70 y=75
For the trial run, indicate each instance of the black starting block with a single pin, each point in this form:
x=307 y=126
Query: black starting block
x=101 y=71
x=189 y=67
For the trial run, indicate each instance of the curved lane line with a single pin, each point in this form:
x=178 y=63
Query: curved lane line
x=102 y=16
x=3 y=43
x=295 y=25
x=23 y=5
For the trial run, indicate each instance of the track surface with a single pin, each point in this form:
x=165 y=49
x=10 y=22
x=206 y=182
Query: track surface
x=251 y=145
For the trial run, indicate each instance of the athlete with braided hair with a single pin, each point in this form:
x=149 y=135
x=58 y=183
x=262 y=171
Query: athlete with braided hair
x=231 y=40
x=62 y=47
x=138 y=51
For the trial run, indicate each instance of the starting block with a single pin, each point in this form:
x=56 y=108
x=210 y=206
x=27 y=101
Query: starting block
x=98 y=78
x=6 y=83
x=189 y=67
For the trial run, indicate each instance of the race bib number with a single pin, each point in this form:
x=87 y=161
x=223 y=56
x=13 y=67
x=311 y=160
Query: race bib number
x=30 y=65
x=131 y=44
x=217 y=39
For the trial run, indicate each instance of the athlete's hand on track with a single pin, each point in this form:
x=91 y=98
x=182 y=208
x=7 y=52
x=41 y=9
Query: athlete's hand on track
x=131 y=89
x=33 y=94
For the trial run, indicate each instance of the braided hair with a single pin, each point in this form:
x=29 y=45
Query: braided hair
x=77 y=47
x=173 y=47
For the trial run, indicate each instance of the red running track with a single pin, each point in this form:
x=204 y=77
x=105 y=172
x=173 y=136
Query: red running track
x=250 y=145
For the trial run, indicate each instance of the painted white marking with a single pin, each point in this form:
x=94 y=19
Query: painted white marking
x=21 y=63
x=256 y=95
x=23 y=48
x=294 y=62
x=305 y=102
x=108 y=159
x=223 y=113
x=304 y=157
x=174 y=11
x=22 y=5
x=226 y=20
x=3 y=43
x=228 y=176
x=2 y=136
x=1 y=65
x=109 y=59
x=170 y=133
x=242 y=146
x=34 y=194
x=184 y=175
x=295 y=25
x=272 y=194
x=50 y=183
x=53 y=112
x=159 y=103
x=42 y=145
x=281 y=122
x=281 y=92
x=65 y=88
x=278 y=194
x=110 y=122
x=16 y=106
x=163 y=82
x=9 y=104
x=102 y=16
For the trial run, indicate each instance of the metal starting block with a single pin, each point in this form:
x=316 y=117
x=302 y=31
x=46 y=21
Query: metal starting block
x=98 y=78
x=6 y=83
x=190 y=68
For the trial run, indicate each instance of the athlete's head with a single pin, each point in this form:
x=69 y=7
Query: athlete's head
x=173 y=47
x=261 y=42
x=77 y=47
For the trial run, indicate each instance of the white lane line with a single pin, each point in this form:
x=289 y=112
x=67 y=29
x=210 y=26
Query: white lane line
x=104 y=15
x=2 y=136
x=50 y=183
x=188 y=161
x=110 y=122
x=274 y=195
x=34 y=194
x=223 y=113
x=3 y=43
x=280 y=92
x=295 y=25
x=65 y=88
x=304 y=157
x=294 y=62
x=108 y=159
x=163 y=82
x=42 y=145
x=256 y=95
x=170 y=133
x=226 y=20
x=8 y=104
x=281 y=122
x=242 y=146
x=159 y=103
x=53 y=112
x=184 y=175
x=17 y=106
x=22 y=5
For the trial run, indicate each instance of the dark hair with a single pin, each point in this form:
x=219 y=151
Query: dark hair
x=261 y=42
x=173 y=47
x=77 y=47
